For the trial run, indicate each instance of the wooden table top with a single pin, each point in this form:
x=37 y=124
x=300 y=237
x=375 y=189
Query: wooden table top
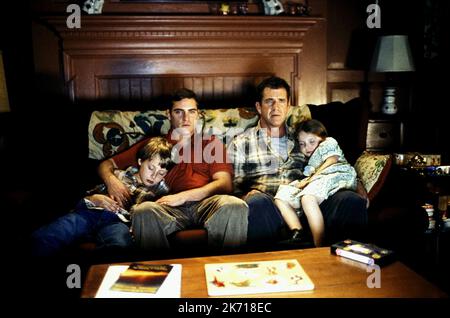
x=332 y=276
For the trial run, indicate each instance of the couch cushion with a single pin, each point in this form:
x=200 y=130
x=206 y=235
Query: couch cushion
x=372 y=169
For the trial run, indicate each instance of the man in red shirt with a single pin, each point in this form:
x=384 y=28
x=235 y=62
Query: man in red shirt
x=197 y=183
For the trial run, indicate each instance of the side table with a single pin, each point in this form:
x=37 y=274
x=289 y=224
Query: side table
x=384 y=133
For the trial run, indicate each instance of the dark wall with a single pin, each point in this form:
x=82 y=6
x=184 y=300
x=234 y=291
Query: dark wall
x=432 y=91
x=421 y=95
x=41 y=152
x=426 y=23
x=16 y=45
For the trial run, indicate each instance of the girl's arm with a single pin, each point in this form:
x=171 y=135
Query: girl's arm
x=328 y=162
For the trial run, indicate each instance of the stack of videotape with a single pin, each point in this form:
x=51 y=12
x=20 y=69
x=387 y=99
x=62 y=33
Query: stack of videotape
x=365 y=253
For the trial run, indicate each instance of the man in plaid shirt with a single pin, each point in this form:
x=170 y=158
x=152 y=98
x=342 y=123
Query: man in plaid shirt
x=258 y=165
x=268 y=155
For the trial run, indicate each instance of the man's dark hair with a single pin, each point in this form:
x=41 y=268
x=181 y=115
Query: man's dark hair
x=182 y=93
x=272 y=82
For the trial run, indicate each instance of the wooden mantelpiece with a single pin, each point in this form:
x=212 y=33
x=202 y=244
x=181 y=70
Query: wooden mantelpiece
x=200 y=27
x=204 y=52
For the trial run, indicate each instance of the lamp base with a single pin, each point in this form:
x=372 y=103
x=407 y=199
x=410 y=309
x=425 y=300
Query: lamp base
x=389 y=107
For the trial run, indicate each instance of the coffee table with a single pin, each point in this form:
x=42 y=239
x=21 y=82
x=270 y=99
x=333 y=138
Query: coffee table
x=333 y=276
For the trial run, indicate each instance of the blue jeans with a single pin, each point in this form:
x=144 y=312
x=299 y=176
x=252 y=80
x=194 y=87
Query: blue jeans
x=344 y=213
x=264 y=219
x=82 y=223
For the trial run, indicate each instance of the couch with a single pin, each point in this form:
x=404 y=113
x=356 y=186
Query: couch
x=59 y=143
x=111 y=132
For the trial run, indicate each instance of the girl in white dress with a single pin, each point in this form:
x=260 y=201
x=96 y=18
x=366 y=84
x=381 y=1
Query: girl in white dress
x=326 y=173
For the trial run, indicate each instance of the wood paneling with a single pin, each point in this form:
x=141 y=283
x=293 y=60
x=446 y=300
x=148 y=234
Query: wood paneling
x=344 y=85
x=140 y=88
x=143 y=58
x=150 y=77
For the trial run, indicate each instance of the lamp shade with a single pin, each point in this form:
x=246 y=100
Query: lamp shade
x=392 y=54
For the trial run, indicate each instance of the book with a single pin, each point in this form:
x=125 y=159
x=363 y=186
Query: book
x=139 y=280
x=142 y=278
x=256 y=277
x=362 y=252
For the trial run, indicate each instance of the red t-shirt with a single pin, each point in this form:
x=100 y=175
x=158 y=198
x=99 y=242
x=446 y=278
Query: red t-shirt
x=210 y=158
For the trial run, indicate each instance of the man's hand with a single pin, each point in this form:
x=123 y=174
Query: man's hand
x=104 y=201
x=118 y=191
x=172 y=199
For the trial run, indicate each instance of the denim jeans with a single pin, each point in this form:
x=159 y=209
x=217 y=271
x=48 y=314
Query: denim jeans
x=82 y=223
x=264 y=219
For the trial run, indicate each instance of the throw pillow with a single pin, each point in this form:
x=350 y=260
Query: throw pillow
x=230 y=121
x=297 y=114
x=372 y=169
x=111 y=132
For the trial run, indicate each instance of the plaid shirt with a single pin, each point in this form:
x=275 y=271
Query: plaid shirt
x=258 y=166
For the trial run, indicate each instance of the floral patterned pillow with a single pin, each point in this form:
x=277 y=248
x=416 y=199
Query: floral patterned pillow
x=228 y=122
x=113 y=131
x=372 y=169
x=297 y=114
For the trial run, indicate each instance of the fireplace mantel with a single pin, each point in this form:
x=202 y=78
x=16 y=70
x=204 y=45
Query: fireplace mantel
x=245 y=31
x=127 y=47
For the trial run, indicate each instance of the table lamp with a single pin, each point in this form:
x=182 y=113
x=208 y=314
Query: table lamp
x=392 y=54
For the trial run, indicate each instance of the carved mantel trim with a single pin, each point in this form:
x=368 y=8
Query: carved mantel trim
x=286 y=31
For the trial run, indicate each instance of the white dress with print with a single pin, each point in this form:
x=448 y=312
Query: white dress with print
x=338 y=176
